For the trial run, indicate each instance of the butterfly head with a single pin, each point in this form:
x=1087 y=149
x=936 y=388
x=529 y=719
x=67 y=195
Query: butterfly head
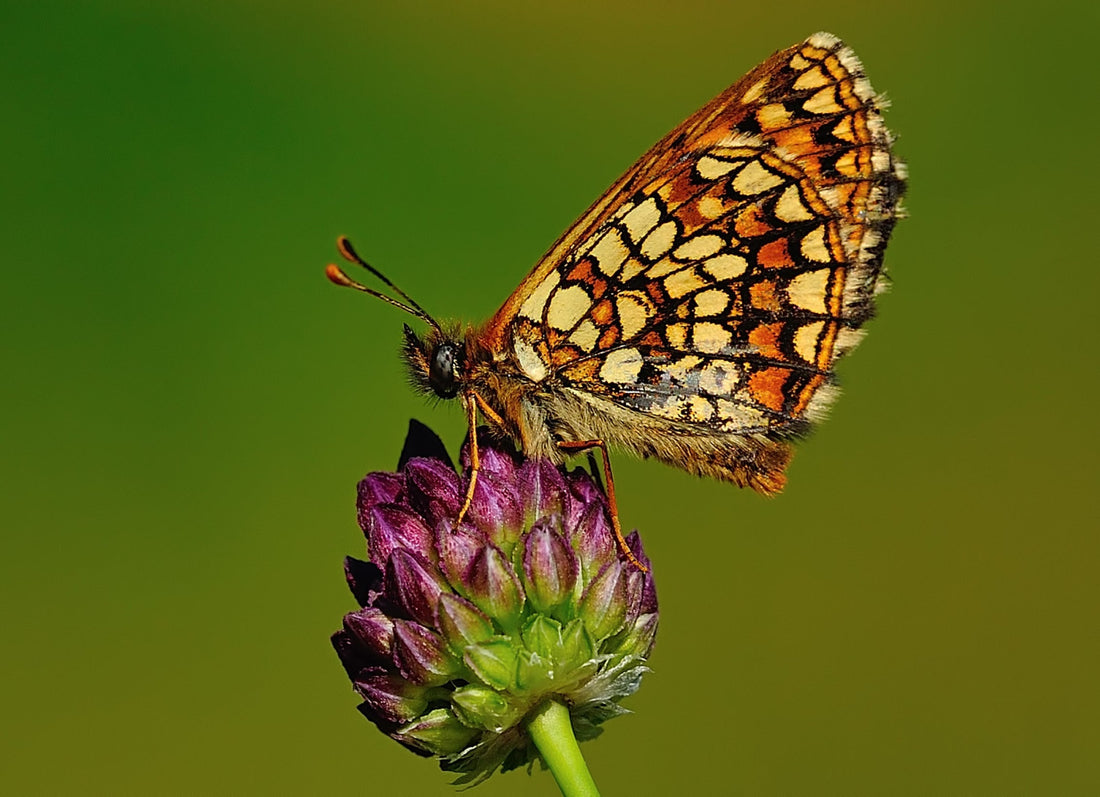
x=436 y=362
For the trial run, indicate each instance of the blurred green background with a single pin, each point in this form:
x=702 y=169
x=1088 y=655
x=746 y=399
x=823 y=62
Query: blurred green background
x=187 y=403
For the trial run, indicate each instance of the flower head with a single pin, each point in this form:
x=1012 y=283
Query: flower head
x=464 y=632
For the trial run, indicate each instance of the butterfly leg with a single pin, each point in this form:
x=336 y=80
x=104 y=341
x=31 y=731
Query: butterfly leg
x=575 y=447
x=473 y=401
x=475 y=457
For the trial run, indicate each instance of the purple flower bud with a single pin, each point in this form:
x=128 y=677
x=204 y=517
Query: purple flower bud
x=594 y=541
x=456 y=550
x=496 y=509
x=583 y=493
x=354 y=655
x=545 y=487
x=414 y=585
x=641 y=595
x=379 y=488
x=464 y=632
x=433 y=490
x=391 y=526
x=390 y=698
x=374 y=630
x=498 y=464
x=421 y=656
x=549 y=567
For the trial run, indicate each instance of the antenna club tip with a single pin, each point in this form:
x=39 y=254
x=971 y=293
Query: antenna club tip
x=336 y=274
x=347 y=251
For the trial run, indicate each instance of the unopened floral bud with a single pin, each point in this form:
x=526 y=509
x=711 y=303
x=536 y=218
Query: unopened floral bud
x=467 y=631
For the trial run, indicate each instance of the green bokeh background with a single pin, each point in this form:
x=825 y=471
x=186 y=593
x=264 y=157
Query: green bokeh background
x=187 y=403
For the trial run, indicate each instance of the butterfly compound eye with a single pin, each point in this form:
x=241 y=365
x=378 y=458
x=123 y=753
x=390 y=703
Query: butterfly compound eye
x=441 y=371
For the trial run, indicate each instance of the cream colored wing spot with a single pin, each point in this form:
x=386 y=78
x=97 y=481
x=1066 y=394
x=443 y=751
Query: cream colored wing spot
x=824 y=102
x=672 y=407
x=813 y=245
x=711 y=207
x=610 y=252
x=808 y=290
x=585 y=335
x=681 y=368
x=725 y=267
x=773 y=116
x=567 y=307
x=844 y=130
x=534 y=304
x=811 y=79
x=847 y=163
x=790 y=208
x=754 y=91
x=698 y=247
x=711 y=303
x=798 y=63
x=700 y=410
x=805 y=340
x=659 y=241
x=641 y=219
x=663 y=268
x=528 y=360
x=711 y=168
x=719 y=378
x=621 y=366
x=755 y=179
x=710 y=338
x=676 y=335
x=635 y=310
x=633 y=268
x=683 y=282
x=739 y=416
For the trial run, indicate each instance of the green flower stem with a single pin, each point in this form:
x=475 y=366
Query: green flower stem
x=552 y=733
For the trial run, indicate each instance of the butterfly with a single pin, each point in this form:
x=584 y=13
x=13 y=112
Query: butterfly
x=694 y=313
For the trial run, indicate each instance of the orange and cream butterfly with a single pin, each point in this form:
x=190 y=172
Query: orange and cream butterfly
x=695 y=312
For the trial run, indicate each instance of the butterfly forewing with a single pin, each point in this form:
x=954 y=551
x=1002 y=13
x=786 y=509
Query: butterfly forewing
x=717 y=281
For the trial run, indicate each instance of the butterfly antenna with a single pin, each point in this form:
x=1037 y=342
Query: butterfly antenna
x=337 y=275
x=347 y=251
